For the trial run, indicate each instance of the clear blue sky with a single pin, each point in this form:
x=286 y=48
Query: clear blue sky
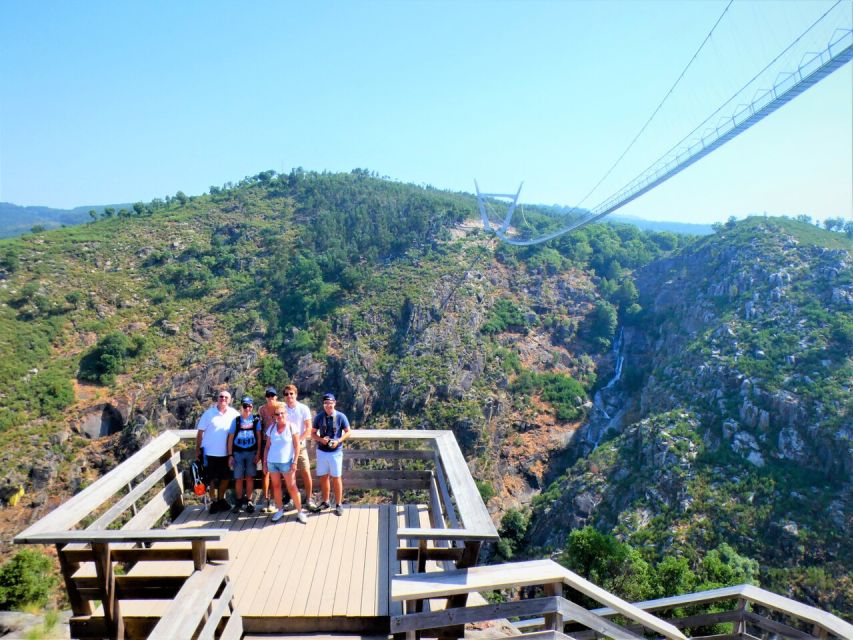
x=104 y=102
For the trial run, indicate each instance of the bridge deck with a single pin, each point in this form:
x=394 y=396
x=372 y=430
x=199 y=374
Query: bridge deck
x=332 y=574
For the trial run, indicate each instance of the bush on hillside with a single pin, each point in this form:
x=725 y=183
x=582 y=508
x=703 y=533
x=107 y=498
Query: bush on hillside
x=26 y=579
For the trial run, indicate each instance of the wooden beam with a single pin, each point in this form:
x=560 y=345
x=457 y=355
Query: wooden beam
x=778 y=627
x=176 y=505
x=68 y=566
x=125 y=535
x=191 y=604
x=154 y=554
x=438 y=554
x=390 y=454
x=107 y=589
x=447 y=617
x=554 y=620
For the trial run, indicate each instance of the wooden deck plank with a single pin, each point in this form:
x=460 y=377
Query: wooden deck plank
x=340 y=560
x=394 y=608
x=322 y=580
x=357 y=581
x=371 y=569
x=242 y=549
x=289 y=551
x=264 y=560
x=299 y=600
x=383 y=577
x=341 y=601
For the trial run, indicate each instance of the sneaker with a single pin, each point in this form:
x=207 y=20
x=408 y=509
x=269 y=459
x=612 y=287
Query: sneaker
x=320 y=507
x=339 y=510
x=288 y=505
x=238 y=506
x=250 y=507
x=270 y=508
x=311 y=505
x=278 y=515
x=302 y=517
x=214 y=507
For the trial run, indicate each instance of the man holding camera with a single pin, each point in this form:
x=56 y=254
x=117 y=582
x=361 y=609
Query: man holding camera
x=330 y=430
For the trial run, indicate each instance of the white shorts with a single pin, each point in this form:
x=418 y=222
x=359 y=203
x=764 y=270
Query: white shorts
x=330 y=463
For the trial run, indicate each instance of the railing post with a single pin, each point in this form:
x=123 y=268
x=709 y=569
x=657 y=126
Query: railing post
x=554 y=621
x=178 y=505
x=199 y=554
x=107 y=587
x=79 y=605
x=468 y=559
x=395 y=495
x=740 y=625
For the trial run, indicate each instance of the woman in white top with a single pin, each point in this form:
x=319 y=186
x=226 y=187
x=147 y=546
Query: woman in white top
x=282 y=449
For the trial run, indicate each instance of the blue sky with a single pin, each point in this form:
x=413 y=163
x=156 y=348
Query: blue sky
x=105 y=102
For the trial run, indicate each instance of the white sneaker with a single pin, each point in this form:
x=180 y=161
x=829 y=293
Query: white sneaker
x=270 y=508
x=302 y=517
x=278 y=515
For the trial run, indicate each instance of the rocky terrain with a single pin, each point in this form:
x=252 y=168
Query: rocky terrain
x=679 y=393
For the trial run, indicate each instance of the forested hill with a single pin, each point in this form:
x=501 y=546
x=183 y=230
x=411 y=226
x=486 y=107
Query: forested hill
x=733 y=351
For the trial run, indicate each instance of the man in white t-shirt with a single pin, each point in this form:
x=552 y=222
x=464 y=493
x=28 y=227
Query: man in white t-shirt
x=212 y=441
x=299 y=417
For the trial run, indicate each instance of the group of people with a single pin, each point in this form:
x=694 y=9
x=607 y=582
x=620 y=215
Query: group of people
x=232 y=443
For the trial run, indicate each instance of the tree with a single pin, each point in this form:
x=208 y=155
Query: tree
x=109 y=212
x=804 y=218
x=613 y=565
x=93 y=214
x=181 y=197
x=138 y=208
x=38 y=228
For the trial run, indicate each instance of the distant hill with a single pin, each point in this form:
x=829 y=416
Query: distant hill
x=15 y=219
x=687 y=228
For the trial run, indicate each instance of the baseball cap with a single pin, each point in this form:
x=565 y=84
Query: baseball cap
x=247 y=400
x=270 y=392
x=329 y=396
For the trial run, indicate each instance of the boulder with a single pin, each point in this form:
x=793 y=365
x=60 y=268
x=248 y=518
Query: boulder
x=100 y=420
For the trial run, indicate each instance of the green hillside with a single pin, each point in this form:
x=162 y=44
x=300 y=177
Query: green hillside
x=735 y=348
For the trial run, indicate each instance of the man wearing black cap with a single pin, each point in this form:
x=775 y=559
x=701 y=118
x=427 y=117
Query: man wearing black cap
x=330 y=430
x=244 y=453
x=267 y=414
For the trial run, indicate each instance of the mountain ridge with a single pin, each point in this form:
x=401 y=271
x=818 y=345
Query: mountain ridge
x=386 y=293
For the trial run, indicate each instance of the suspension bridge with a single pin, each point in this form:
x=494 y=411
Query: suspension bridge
x=731 y=122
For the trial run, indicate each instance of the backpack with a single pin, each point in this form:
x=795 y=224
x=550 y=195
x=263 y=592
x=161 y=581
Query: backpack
x=198 y=473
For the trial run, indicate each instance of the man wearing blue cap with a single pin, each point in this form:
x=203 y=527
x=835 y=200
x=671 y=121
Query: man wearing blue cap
x=330 y=430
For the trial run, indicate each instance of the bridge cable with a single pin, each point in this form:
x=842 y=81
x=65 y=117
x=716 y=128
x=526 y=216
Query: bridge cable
x=657 y=109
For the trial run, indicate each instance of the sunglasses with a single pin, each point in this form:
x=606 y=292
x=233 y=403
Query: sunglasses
x=281 y=414
x=290 y=393
x=247 y=406
x=224 y=397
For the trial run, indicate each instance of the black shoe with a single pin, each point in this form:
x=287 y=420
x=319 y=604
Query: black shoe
x=250 y=507
x=320 y=507
x=239 y=505
x=214 y=507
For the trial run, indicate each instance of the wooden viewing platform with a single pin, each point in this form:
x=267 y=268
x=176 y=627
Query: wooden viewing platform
x=140 y=562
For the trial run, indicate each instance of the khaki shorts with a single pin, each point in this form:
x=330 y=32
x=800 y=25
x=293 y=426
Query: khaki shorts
x=302 y=462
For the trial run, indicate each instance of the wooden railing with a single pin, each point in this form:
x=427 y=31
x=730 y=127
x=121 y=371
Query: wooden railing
x=114 y=519
x=556 y=609
x=757 y=612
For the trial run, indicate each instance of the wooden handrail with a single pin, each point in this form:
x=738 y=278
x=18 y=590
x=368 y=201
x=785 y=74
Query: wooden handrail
x=121 y=535
x=825 y=620
x=78 y=507
x=518 y=574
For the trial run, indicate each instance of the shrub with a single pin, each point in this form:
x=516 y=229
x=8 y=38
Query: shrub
x=26 y=579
